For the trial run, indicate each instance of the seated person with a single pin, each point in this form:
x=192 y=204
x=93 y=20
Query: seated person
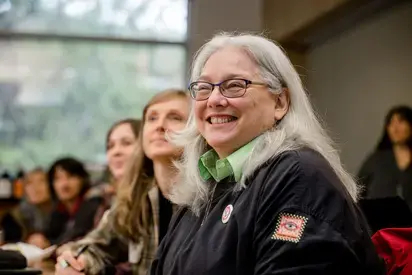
x=387 y=172
x=128 y=235
x=33 y=213
x=73 y=214
x=121 y=141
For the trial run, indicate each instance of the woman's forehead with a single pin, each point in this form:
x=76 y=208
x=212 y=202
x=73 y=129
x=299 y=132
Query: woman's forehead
x=228 y=63
x=174 y=103
x=121 y=129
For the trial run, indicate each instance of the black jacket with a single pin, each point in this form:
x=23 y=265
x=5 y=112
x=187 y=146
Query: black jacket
x=382 y=177
x=64 y=228
x=294 y=217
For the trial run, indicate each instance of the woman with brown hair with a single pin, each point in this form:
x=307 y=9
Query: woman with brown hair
x=132 y=229
x=121 y=142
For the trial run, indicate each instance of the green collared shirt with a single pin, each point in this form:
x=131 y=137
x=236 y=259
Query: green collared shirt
x=210 y=166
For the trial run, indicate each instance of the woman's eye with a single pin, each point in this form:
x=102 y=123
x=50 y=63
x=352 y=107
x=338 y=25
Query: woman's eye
x=178 y=118
x=127 y=142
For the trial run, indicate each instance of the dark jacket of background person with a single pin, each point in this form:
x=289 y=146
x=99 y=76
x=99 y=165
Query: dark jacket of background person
x=65 y=226
x=380 y=174
x=23 y=220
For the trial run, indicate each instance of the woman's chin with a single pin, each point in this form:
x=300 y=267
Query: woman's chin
x=117 y=174
x=162 y=154
x=223 y=147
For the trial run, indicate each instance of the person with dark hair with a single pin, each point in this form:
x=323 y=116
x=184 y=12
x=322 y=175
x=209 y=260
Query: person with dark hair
x=387 y=172
x=68 y=178
x=72 y=217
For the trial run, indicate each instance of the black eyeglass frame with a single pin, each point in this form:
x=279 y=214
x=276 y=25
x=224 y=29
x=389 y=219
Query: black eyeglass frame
x=221 y=90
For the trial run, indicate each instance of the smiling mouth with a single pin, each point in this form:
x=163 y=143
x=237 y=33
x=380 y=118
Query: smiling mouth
x=221 y=120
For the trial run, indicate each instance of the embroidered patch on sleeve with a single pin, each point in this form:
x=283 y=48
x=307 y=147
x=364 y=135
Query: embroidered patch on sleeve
x=289 y=227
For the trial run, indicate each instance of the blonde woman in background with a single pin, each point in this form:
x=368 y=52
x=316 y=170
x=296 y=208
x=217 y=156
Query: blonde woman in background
x=133 y=228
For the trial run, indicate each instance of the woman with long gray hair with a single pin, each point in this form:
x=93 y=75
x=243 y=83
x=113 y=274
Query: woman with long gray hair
x=261 y=186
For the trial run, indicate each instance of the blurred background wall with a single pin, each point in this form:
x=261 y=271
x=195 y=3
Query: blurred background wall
x=357 y=76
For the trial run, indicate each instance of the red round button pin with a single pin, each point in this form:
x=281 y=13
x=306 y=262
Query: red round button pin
x=226 y=213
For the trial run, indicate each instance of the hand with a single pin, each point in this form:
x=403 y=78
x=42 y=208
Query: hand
x=38 y=240
x=63 y=248
x=75 y=265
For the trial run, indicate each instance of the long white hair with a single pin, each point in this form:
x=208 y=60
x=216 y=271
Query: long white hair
x=299 y=128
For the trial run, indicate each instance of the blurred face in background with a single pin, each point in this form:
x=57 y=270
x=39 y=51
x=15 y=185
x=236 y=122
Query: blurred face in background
x=66 y=186
x=121 y=144
x=399 y=130
x=164 y=117
x=36 y=188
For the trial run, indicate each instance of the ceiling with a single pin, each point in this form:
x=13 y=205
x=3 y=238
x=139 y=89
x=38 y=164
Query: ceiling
x=300 y=25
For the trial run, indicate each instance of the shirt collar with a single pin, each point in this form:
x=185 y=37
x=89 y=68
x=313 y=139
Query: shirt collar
x=70 y=212
x=210 y=166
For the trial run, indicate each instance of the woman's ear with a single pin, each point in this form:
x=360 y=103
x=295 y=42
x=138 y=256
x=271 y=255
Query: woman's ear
x=282 y=104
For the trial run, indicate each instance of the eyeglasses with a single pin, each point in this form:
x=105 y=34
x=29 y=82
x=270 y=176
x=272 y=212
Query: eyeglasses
x=230 y=88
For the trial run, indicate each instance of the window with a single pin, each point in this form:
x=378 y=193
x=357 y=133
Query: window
x=162 y=20
x=65 y=77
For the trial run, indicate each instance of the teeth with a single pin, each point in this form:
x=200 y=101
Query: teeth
x=220 y=120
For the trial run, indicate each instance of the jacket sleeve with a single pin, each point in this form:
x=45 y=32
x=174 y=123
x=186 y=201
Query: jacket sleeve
x=301 y=244
x=295 y=229
x=105 y=247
